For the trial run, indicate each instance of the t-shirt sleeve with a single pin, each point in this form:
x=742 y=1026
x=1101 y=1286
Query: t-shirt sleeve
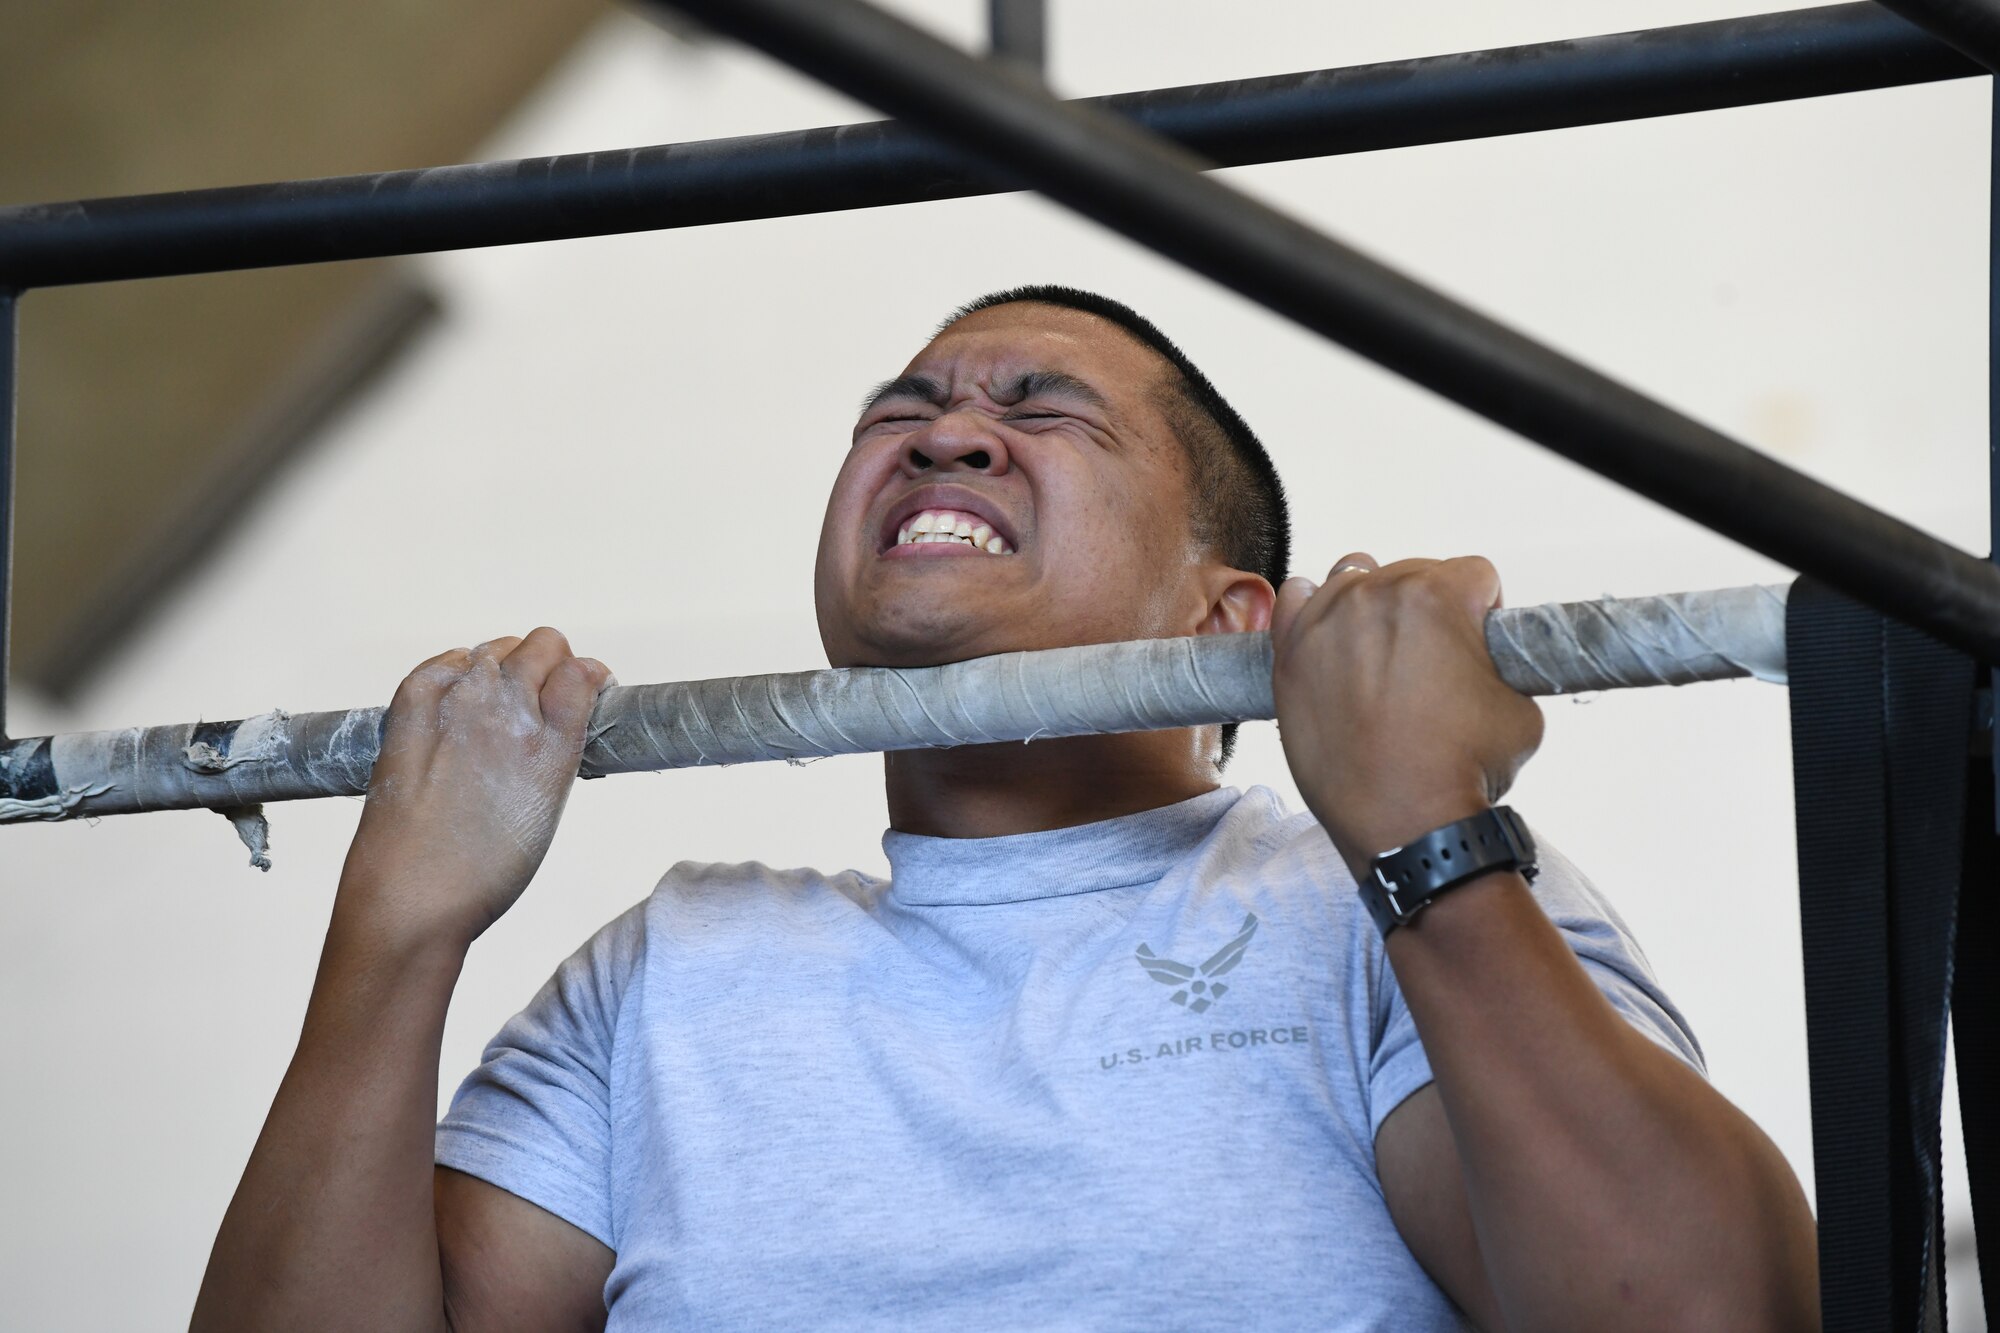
x=1601 y=942
x=535 y=1117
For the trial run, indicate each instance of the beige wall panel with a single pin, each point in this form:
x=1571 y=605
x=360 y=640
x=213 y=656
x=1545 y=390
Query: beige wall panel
x=139 y=400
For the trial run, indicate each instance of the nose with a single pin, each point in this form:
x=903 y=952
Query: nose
x=955 y=442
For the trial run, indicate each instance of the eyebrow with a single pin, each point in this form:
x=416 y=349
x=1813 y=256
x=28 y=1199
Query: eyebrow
x=922 y=388
x=1051 y=384
x=1032 y=384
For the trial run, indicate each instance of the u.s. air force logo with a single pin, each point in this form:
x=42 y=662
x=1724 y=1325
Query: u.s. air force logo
x=1196 y=987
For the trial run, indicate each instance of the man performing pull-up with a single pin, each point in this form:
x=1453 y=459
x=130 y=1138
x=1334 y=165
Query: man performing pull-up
x=1112 y=1047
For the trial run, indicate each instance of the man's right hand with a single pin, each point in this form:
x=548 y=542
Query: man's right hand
x=336 y=1223
x=478 y=753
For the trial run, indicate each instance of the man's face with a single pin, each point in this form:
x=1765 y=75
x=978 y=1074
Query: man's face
x=1035 y=428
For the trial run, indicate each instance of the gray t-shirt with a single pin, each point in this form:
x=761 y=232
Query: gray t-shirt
x=1126 y=1075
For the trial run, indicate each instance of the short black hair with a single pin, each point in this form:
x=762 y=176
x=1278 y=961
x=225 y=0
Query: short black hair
x=1236 y=503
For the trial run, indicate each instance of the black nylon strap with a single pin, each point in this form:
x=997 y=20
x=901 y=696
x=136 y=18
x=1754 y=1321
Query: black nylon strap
x=1975 y=1021
x=1928 y=702
x=1881 y=719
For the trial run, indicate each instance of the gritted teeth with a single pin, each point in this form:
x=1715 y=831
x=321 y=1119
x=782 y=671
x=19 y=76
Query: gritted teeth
x=953 y=525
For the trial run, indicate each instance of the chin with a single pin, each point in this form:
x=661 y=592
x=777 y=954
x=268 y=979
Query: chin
x=926 y=633
x=918 y=642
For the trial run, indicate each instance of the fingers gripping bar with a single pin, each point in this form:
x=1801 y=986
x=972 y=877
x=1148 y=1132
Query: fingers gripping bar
x=1141 y=686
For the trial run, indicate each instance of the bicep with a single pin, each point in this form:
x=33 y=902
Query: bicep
x=511 y=1265
x=1417 y=1161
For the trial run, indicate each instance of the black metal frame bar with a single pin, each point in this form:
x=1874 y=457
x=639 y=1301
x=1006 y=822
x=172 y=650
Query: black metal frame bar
x=1972 y=26
x=1020 y=33
x=1472 y=95
x=9 y=326
x=1993 y=408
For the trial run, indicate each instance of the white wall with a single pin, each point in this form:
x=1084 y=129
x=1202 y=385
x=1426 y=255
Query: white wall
x=630 y=438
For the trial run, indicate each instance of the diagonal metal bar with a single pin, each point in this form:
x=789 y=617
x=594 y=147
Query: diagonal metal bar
x=1973 y=26
x=1154 y=192
x=1397 y=104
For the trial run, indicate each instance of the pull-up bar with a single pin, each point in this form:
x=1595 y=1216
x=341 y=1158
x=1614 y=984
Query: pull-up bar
x=1154 y=192
x=1141 y=686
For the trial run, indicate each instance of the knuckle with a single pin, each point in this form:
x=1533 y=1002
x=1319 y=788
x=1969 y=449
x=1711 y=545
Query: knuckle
x=1472 y=572
x=1429 y=590
x=1477 y=565
x=436 y=673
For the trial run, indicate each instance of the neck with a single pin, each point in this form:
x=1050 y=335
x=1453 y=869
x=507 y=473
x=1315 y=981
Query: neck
x=989 y=791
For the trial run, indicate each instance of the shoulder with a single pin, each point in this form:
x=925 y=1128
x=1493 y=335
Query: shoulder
x=703 y=908
x=707 y=902
x=740 y=884
x=1260 y=834
x=1581 y=911
x=696 y=895
x=1280 y=864
x=1610 y=953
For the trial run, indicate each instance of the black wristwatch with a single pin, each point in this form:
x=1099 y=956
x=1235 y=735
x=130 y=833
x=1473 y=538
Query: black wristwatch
x=1403 y=880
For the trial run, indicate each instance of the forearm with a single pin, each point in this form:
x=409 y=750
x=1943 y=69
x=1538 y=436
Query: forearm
x=1608 y=1184
x=332 y=1225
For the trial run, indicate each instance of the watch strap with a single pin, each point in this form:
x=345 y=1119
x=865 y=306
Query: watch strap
x=1403 y=880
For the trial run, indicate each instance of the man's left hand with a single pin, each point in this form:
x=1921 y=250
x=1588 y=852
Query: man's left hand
x=1392 y=716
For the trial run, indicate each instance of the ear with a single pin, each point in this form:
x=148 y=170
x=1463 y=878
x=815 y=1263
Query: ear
x=1238 y=601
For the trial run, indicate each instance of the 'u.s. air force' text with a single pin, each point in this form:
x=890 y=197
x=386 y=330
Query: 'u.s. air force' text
x=1219 y=1042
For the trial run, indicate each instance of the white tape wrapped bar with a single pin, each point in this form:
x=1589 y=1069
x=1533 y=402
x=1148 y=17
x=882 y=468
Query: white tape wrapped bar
x=1559 y=649
x=1676 y=639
